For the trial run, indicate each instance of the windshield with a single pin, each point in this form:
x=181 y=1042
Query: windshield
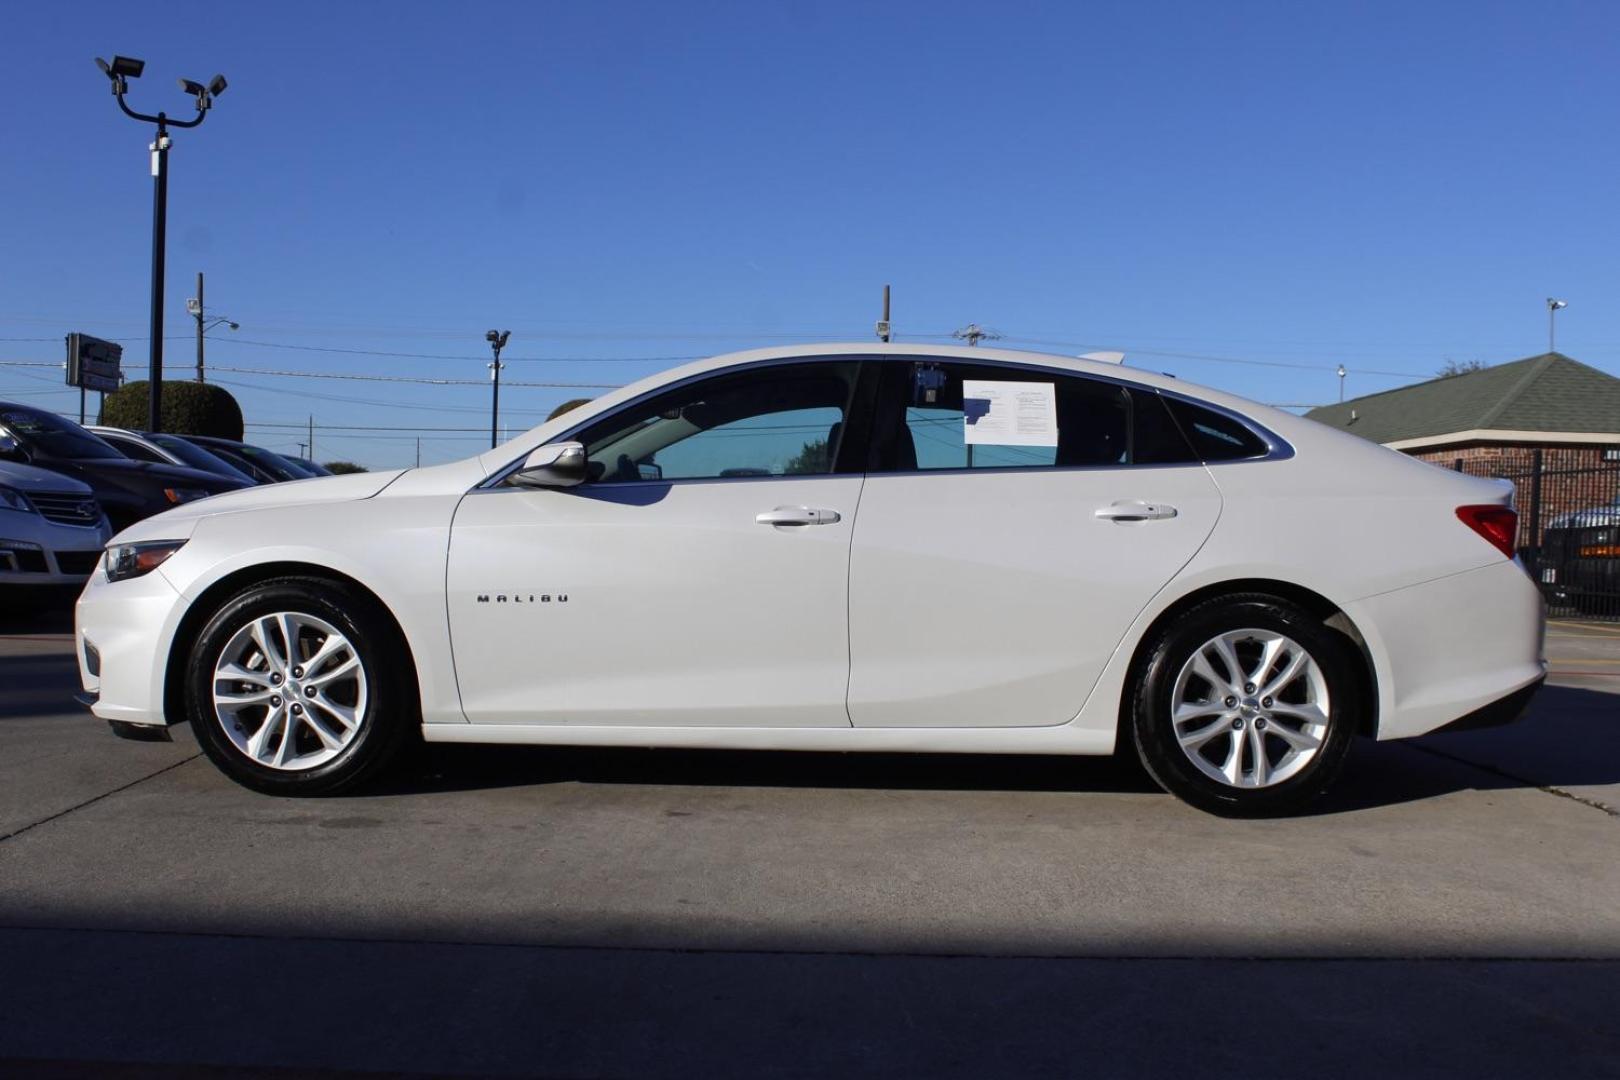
x=198 y=458
x=272 y=462
x=48 y=434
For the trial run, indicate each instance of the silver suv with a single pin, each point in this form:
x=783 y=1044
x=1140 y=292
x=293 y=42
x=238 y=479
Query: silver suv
x=52 y=531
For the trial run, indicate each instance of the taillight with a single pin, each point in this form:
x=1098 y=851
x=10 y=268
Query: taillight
x=1497 y=524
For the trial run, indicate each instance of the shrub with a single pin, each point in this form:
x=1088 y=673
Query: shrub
x=341 y=467
x=189 y=408
x=568 y=406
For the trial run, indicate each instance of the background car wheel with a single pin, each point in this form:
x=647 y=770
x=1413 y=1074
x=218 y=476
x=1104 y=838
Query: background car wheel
x=296 y=686
x=1246 y=706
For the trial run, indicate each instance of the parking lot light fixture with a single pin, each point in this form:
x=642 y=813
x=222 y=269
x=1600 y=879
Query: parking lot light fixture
x=497 y=342
x=119 y=72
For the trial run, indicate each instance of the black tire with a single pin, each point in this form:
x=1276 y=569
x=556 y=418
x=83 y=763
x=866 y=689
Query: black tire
x=388 y=721
x=1153 y=690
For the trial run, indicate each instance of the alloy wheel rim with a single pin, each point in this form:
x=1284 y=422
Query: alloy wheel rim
x=289 y=691
x=1250 y=708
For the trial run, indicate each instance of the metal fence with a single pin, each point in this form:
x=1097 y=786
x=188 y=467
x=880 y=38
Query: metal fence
x=1569 y=530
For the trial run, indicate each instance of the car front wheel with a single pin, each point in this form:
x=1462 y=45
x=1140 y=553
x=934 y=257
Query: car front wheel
x=294 y=688
x=1246 y=706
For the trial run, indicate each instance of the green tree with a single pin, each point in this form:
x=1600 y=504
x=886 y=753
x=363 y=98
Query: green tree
x=1454 y=368
x=568 y=406
x=811 y=460
x=189 y=408
x=341 y=467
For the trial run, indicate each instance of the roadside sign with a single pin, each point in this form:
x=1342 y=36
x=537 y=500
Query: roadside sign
x=94 y=364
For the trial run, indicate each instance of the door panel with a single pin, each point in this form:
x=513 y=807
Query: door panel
x=994 y=599
x=986 y=590
x=681 y=608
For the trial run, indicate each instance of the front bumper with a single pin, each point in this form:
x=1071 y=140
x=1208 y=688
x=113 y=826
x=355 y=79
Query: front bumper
x=28 y=563
x=122 y=632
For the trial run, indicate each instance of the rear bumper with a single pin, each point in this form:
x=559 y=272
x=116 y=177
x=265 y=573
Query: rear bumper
x=1447 y=649
x=1501 y=711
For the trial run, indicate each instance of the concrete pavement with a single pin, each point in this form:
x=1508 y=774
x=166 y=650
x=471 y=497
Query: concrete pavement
x=1453 y=909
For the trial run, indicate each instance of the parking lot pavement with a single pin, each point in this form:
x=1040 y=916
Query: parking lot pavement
x=1454 y=908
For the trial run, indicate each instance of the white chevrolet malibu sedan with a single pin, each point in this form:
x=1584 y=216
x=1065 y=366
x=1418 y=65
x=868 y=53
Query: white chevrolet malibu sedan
x=850 y=547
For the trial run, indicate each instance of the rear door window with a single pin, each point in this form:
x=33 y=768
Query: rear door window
x=935 y=416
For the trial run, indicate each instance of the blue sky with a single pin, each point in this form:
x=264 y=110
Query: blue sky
x=1386 y=186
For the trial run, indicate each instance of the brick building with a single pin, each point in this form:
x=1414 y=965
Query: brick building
x=1547 y=417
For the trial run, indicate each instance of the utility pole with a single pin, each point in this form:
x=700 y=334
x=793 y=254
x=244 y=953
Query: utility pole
x=973 y=333
x=883 y=323
x=419 y=451
x=1553 y=307
x=204 y=324
x=199 y=314
x=312 y=436
x=497 y=342
x=120 y=71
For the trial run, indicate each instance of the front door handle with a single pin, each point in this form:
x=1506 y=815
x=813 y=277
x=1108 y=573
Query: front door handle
x=797 y=515
x=1135 y=510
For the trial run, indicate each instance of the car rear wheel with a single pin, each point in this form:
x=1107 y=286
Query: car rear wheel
x=295 y=687
x=1246 y=706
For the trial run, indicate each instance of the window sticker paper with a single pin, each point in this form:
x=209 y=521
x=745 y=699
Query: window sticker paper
x=1009 y=413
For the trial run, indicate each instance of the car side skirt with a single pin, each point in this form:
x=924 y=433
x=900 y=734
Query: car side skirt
x=1062 y=739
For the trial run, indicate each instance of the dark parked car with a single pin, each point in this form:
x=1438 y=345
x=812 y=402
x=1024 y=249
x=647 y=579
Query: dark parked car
x=315 y=468
x=164 y=449
x=127 y=490
x=261 y=464
x=1580 y=559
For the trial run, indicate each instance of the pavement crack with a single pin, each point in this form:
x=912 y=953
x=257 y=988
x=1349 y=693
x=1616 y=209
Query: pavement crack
x=1550 y=789
x=95 y=799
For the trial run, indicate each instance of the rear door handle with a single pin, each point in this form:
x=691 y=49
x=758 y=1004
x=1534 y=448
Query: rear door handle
x=1135 y=510
x=797 y=515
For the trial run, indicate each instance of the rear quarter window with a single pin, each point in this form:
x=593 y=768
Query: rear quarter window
x=1216 y=436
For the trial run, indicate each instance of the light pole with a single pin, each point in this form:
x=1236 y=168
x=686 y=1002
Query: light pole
x=1552 y=310
x=120 y=71
x=204 y=324
x=497 y=342
x=1342 y=374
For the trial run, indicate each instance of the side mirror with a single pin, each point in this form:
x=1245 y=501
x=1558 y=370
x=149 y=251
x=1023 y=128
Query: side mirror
x=555 y=465
x=10 y=450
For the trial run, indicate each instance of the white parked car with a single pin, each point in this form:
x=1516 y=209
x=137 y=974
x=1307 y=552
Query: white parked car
x=851 y=547
x=52 y=530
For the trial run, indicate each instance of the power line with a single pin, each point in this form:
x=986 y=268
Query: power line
x=458 y=356
x=420 y=380
x=310 y=394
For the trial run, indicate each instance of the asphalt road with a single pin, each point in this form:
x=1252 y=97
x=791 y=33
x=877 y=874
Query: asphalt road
x=1452 y=910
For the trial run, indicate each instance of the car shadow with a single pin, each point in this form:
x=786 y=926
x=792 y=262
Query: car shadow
x=1539 y=751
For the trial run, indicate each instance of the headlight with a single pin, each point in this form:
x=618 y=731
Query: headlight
x=12 y=499
x=180 y=495
x=133 y=560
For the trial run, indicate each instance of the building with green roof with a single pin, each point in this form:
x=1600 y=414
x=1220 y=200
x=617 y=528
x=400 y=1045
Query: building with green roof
x=1550 y=402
